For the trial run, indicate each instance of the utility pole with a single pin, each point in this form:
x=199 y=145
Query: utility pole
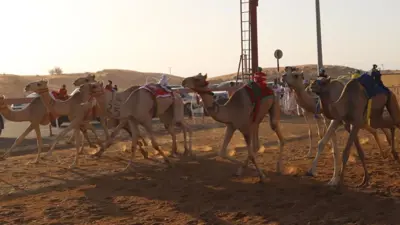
x=319 y=41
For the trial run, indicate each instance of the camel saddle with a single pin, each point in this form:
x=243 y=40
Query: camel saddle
x=258 y=93
x=372 y=88
x=157 y=91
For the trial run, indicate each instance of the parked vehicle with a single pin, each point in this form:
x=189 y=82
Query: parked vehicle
x=23 y=105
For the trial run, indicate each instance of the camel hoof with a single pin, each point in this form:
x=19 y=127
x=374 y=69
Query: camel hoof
x=35 y=162
x=174 y=154
x=309 y=155
x=309 y=173
x=334 y=182
x=279 y=168
x=262 y=180
x=145 y=155
x=239 y=172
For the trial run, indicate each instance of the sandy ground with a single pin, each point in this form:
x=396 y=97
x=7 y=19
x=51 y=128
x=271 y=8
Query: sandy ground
x=202 y=190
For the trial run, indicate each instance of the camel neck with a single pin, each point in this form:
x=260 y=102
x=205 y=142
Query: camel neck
x=105 y=102
x=216 y=111
x=305 y=100
x=326 y=105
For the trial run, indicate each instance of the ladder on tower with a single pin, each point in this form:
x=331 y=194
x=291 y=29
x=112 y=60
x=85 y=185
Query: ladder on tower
x=245 y=31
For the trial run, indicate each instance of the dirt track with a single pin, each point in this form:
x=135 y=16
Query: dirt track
x=201 y=190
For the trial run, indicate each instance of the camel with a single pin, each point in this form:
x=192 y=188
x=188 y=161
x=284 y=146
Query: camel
x=305 y=99
x=35 y=113
x=238 y=113
x=167 y=106
x=349 y=109
x=308 y=102
x=110 y=103
x=76 y=108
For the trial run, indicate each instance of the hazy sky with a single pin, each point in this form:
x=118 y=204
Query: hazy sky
x=191 y=36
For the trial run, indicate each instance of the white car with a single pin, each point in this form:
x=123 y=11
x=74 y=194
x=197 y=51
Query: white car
x=23 y=105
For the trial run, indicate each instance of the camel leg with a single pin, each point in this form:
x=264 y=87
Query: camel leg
x=171 y=131
x=256 y=138
x=69 y=141
x=321 y=145
x=360 y=153
x=86 y=136
x=135 y=131
x=50 y=130
x=39 y=144
x=112 y=137
x=247 y=139
x=309 y=154
x=18 y=141
x=274 y=123
x=188 y=143
x=387 y=135
x=229 y=130
x=375 y=134
x=149 y=130
x=250 y=142
x=346 y=153
x=319 y=132
x=105 y=128
x=144 y=143
x=91 y=128
x=393 y=145
x=72 y=126
x=78 y=144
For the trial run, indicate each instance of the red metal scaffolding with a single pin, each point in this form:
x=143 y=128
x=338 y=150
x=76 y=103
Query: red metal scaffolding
x=249 y=42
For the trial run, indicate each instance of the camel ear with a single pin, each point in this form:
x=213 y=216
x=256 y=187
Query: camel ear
x=205 y=76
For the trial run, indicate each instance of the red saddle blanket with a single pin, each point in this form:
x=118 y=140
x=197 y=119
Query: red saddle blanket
x=257 y=94
x=157 y=90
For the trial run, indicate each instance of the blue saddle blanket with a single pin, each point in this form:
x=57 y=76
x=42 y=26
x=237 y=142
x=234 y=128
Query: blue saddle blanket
x=372 y=88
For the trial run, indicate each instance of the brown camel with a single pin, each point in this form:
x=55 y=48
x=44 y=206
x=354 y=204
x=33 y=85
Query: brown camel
x=76 y=108
x=349 y=109
x=238 y=114
x=308 y=102
x=151 y=105
x=328 y=95
x=103 y=111
x=35 y=113
x=109 y=103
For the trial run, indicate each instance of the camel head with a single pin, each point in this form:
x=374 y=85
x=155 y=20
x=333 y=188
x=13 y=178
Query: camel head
x=83 y=80
x=196 y=83
x=293 y=77
x=38 y=87
x=96 y=88
x=320 y=85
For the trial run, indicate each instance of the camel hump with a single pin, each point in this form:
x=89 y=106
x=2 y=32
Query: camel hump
x=157 y=90
x=371 y=86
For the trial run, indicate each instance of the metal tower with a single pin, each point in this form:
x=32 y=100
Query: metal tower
x=249 y=44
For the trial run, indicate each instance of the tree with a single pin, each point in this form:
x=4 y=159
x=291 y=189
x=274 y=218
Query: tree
x=56 y=71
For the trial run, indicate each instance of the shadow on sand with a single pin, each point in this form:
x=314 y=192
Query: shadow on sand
x=204 y=189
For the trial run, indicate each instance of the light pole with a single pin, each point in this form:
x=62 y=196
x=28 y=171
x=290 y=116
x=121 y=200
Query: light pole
x=169 y=70
x=319 y=41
